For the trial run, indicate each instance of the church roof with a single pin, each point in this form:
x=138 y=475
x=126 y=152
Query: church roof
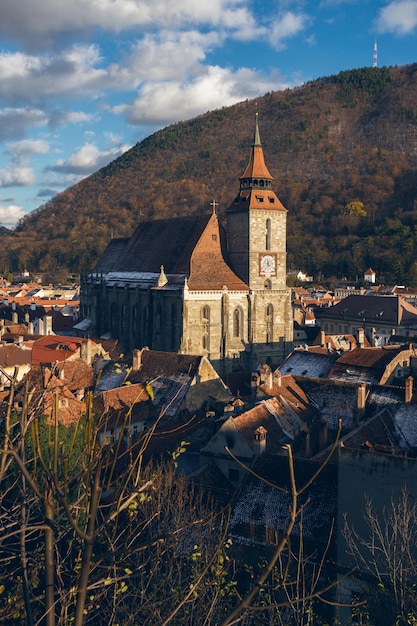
x=168 y=242
x=208 y=269
x=184 y=246
x=110 y=256
x=256 y=167
x=255 y=183
x=256 y=199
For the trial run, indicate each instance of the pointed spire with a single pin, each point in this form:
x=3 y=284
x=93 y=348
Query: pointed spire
x=257 y=140
x=256 y=168
x=162 y=280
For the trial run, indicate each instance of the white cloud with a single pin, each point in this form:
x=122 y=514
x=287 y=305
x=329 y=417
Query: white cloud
x=23 y=149
x=17 y=176
x=60 y=117
x=168 y=55
x=399 y=17
x=87 y=159
x=71 y=72
x=14 y=122
x=286 y=26
x=166 y=102
x=10 y=215
x=18 y=173
x=49 y=19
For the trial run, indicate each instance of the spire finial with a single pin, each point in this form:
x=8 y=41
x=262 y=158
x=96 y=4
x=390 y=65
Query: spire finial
x=257 y=140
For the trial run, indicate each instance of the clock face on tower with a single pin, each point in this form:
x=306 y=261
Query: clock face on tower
x=267 y=264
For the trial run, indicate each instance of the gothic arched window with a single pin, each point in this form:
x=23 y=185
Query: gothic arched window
x=238 y=322
x=173 y=326
x=268 y=234
x=205 y=327
x=269 y=319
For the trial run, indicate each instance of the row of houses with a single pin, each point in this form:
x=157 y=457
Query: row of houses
x=247 y=419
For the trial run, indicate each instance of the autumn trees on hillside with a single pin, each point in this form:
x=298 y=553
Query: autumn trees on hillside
x=330 y=143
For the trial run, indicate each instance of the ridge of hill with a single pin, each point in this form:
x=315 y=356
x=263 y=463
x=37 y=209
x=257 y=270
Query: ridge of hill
x=342 y=150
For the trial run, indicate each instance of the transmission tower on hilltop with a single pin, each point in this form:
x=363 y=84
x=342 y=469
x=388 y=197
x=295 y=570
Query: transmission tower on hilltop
x=375 y=61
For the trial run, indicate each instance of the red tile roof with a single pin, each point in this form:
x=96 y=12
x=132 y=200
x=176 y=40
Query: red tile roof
x=208 y=269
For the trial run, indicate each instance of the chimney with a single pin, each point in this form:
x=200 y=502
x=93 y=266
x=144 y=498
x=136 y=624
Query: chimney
x=85 y=351
x=277 y=378
x=360 y=401
x=30 y=328
x=266 y=375
x=48 y=324
x=361 y=337
x=26 y=318
x=409 y=389
x=255 y=380
x=15 y=318
x=259 y=446
x=322 y=338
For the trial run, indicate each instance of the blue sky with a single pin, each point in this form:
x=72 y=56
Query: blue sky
x=81 y=81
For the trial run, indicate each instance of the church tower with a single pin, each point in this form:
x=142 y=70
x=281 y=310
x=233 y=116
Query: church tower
x=256 y=243
x=256 y=226
x=171 y=287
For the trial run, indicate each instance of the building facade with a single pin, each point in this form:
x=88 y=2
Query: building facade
x=186 y=285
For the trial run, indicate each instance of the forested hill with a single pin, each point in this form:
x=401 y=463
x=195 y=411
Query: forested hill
x=342 y=150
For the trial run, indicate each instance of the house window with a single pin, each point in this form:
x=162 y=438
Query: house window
x=268 y=234
x=214 y=237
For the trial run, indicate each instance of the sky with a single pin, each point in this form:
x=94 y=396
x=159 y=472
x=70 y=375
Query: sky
x=82 y=81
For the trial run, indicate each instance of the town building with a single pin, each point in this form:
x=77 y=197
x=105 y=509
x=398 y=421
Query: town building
x=380 y=318
x=185 y=285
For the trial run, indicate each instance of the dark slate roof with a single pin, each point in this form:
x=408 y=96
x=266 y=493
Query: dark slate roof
x=156 y=363
x=308 y=363
x=373 y=309
x=262 y=512
x=170 y=376
x=335 y=400
x=167 y=242
x=111 y=255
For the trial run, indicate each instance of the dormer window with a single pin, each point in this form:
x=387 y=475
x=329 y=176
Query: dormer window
x=271 y=200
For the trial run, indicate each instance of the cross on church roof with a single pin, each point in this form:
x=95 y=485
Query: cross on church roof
x=214 y=204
